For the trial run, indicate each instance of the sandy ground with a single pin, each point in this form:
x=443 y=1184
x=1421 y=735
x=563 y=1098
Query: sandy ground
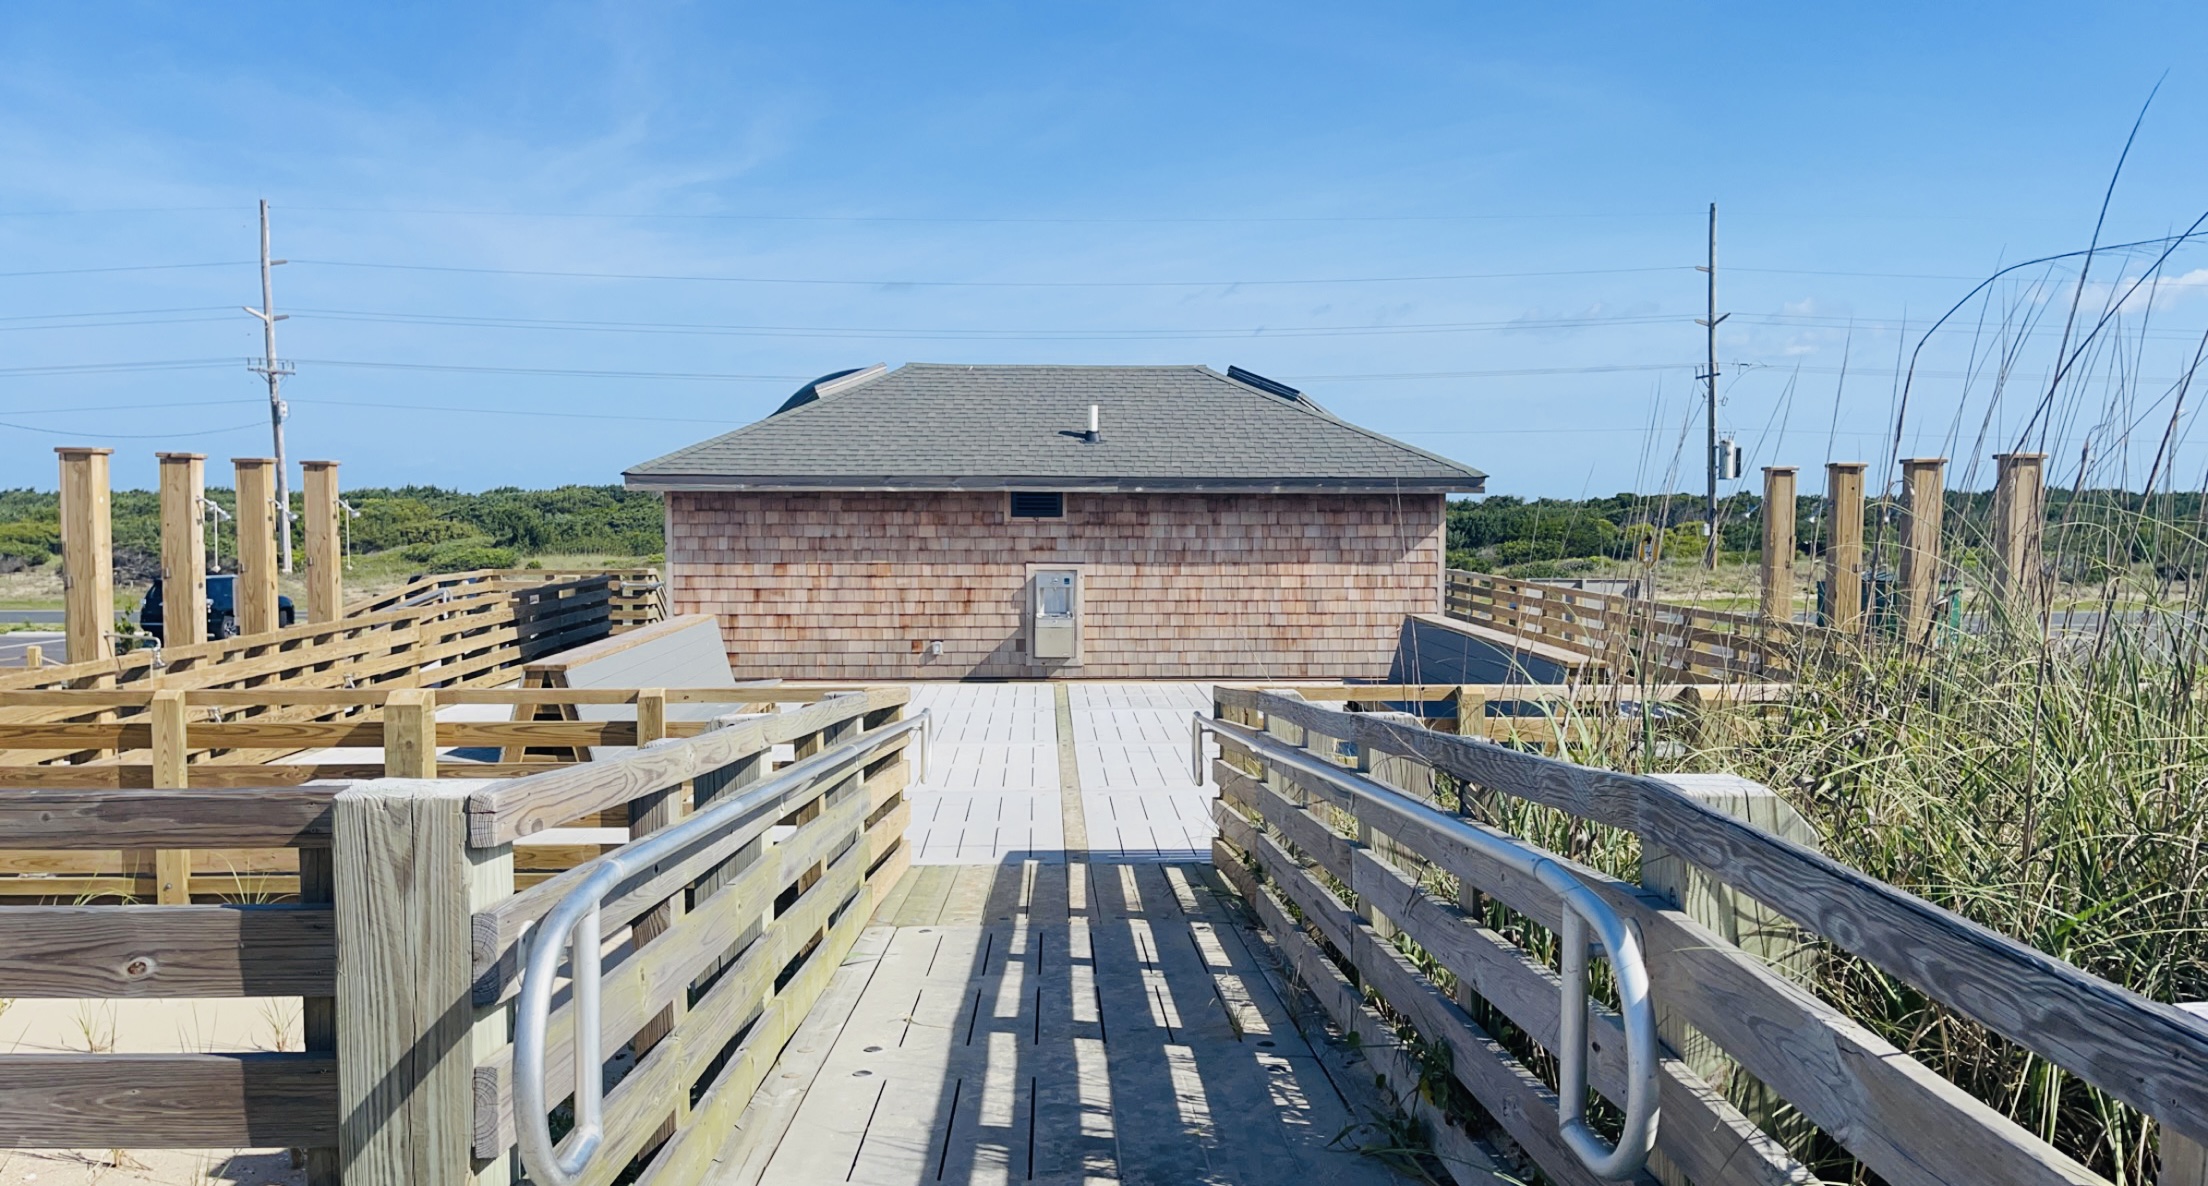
x=149 y=1027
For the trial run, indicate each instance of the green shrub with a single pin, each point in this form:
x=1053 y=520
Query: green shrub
x=31 y=541
x=459 y=555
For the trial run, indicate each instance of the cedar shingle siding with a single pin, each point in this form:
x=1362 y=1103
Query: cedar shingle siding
x=1246 y=586
x=1224 y=526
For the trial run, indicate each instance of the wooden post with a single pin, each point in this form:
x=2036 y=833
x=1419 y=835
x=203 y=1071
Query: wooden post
x=256 y=600
x=410 y=733
x=649 y=814
x=1748 y=924
x=325 y=559
x=1844 y=545
x=34 y=656
x=318 y=1015
x=407 y=888
x=87 y=554
x=183 y=554
x=2184 y=1160
x=1925 y=480
x=2019 y=520
x=172 y=867
x=1778 y=543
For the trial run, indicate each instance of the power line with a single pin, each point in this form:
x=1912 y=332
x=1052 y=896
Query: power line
x=984 y=219
x=74 y=408
x=660 y=327
x=102 y=433
x=528 y=412
x=19 y=329
x=544 y=273
x=131 y=268
x=554 y=371
x=96 y=368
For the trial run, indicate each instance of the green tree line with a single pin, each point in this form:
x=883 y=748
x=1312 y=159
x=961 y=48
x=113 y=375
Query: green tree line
x=2089 y=531
x=442 y=530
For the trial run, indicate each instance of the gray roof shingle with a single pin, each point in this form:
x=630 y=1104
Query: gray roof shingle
x=934 y=426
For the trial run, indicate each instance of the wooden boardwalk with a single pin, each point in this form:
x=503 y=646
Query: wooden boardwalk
x=1041 y=1020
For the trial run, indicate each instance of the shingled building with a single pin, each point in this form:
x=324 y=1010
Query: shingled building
x=948 y=522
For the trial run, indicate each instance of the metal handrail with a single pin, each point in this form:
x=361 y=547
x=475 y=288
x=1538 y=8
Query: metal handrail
x=1583 y=910
x=571 y=926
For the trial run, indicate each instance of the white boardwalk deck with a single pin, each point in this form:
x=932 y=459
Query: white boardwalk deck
x=1032 y=1010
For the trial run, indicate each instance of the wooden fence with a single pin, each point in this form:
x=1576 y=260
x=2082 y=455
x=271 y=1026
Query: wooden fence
x=1351 y=894
x=399 y=724
x=1551 y=718
x=1634 y=638
x=405 y=948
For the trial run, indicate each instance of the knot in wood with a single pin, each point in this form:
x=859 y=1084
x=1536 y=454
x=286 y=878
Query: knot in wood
x=141 y=966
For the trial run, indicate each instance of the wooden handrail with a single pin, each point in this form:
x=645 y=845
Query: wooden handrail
x=2152 y=1056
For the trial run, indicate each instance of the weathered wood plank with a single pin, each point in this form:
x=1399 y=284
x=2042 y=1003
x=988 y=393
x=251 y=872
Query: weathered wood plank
x=1901 y=1119
x=635 y=989
x=2148 y=1054
x=406 y=879
x=1701 y=1132
x=1465 y=1160
x=167 y=951
x=521 y=807
x=41 y=818
x=167 y=1101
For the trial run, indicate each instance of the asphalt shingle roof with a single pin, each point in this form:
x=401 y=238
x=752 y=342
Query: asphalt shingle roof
x=930 y=426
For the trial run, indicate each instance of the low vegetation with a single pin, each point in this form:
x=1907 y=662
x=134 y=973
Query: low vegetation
x=392 y=531
x=2049 y=784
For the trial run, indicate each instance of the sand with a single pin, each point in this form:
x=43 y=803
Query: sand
x=149 y=1027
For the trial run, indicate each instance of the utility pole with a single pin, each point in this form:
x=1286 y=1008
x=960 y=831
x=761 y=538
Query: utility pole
x=275 y=369
x=1710 y=458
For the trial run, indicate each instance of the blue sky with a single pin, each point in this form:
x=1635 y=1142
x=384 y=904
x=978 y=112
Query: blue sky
x=1274 y=186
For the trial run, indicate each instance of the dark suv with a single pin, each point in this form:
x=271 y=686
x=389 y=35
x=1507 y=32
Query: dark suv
x=222 y=608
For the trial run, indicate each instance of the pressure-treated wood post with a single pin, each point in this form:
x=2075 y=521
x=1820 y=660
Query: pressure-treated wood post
x=87 y=555
x=318 y=1015
x=2019 y=519
x=1925 y=481
x=1778 y=543
x=172 y=867
x=183 y=554
x=256 y=599
x=325 y=560
x=34 y=656
x=1844 y=545
x=408 y=885
x=649 y=814
x=1748 y=924
x=2184 y=1160
x=410 y=733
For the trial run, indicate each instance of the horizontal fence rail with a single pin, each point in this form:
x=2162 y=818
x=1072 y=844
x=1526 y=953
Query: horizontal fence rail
x=572 y=927
x=398 y=721
x=1329 y=874
x=1633 y=637
x=1581 y=910
x=99 y=1098
x=719 y=938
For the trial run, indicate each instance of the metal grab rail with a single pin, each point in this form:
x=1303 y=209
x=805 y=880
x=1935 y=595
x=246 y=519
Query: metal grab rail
x=1583 y=909
x=572 y=925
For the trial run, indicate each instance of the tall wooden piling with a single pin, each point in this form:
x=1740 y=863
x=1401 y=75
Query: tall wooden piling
x=1925 y=481
x=183 y=550
x=1778 y=543
x=87 y=554
x=2019 y=520
x=256 y=599
x=325 y=559
x=1844 y=545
